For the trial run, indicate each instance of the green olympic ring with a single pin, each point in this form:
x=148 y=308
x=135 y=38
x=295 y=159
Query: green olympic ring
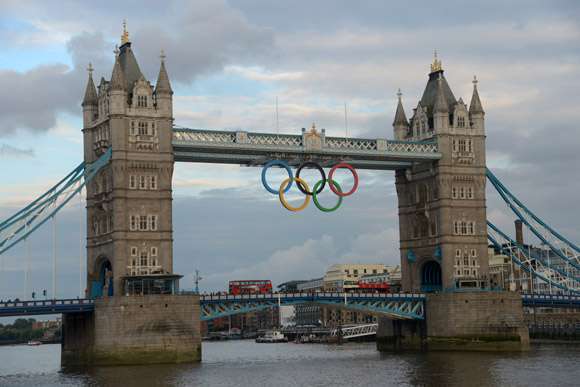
x=315 y=198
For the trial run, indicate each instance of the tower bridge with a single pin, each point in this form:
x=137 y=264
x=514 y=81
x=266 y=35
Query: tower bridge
x=439 y=159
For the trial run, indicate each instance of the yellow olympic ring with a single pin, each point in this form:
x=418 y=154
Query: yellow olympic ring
x=283 y=199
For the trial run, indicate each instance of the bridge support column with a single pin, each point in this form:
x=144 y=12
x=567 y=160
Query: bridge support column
x=475 y=321
x=400 y=334
x=134 y=330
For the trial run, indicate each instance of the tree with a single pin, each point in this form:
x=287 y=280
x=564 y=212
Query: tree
x=22 y=323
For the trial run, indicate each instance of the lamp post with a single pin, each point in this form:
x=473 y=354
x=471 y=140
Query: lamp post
x=197 y=278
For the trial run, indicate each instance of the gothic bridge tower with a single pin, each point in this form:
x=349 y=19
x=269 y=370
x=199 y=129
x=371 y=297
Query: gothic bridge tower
x=129 y=214
x=442 y=211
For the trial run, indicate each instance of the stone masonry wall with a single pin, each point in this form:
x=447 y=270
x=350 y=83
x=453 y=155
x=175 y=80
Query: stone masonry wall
x=478 y=321
x=147 y=329
x=498 y=314
x=134 y=330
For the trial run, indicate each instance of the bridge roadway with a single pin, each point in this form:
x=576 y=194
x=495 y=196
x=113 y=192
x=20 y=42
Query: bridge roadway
x=253 y=149
x=398 y=305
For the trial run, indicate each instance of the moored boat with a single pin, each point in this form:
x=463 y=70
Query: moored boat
x=272 y=337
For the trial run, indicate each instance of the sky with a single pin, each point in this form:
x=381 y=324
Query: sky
x=228 y=61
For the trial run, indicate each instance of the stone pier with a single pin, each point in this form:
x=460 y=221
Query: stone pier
x=134 y=330
x=476 y=321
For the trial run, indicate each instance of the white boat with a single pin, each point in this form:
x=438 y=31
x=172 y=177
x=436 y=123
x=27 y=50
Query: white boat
x=272 y=337
x=34 y=342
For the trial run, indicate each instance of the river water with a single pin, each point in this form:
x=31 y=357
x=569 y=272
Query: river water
x=245 y=363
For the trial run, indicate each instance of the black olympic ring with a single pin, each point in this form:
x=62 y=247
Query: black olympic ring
x=317 y=166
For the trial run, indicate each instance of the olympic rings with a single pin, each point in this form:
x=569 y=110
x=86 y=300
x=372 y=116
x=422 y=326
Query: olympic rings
x=303 y=186
x=283 y=189
x=317 y=166
x=354 y=175
x=315 y=198
x=282 y=164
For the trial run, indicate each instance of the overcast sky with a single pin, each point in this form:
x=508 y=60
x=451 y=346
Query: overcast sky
x=228 y=61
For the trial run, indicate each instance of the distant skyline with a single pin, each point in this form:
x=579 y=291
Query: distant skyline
x=229 y=61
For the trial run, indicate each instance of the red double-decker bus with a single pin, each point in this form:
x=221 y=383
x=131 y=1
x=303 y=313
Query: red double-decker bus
x=374 y=283
x=251 y=287
x=380 y=287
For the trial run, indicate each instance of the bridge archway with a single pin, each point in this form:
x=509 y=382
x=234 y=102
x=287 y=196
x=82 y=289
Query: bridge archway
x=431 y=280
x=102 y=285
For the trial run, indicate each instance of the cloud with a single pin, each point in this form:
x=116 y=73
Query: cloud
x=33 y=99
x=381 y=246
x=12 y=152
x=211 y=35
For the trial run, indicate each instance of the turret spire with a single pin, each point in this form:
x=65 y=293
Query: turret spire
x=90 y=91
x=441 y=105
x=400 y=117
x=475 y=106
x=163 y=85
x=117 y=78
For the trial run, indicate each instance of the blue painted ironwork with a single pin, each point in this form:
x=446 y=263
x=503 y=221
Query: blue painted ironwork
x=535 y=257
x=508 y=246
x=569 y=251
x=438 y=255
x=40 y=307
x=396 y=306
x=26 y=221
x=551 y=300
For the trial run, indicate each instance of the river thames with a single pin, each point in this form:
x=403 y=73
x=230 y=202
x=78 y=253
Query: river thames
x=245 y=363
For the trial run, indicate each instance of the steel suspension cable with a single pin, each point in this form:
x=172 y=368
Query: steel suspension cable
x=54 y=257
x=522 y=265
x=506 y=196
x=515 y=259
x=65 y=194
x=500 y=186
x=535 y=257
x=39 y=201
x=27 y=269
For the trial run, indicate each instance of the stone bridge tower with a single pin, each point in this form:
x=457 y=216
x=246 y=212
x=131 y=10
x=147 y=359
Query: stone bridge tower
x=129 y=214
x=442 y=211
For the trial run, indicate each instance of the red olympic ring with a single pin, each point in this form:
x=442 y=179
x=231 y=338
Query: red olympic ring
x=354 y=175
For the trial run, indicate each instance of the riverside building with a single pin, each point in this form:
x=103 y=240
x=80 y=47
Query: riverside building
x=345 y=277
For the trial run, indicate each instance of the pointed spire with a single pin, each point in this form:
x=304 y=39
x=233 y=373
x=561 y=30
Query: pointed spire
x=117 y=78
x=163 y=85
x=90 y=91
x=441 y=105
x=400 y=117
x=475 y=106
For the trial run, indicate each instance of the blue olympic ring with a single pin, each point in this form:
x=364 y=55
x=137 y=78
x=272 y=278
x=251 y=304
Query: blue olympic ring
x=282 y=164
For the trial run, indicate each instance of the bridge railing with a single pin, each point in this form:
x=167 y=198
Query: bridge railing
x=184 y=136
x=562 y=300
x=312 y=296
x=35 y=303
